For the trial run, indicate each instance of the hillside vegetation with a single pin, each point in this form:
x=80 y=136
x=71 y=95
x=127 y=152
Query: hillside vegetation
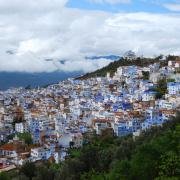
x=112 y=67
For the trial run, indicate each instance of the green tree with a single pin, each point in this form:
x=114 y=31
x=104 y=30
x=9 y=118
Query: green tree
x=145 y=75
x=26 y=137
x=170 y=80
x=4 y=176
x=170 y=165
x=28 y=169
x=144 y=162
x=121 y=170
x=161 y=88
x=45 y=173
x=93 y=175
x=71 y=170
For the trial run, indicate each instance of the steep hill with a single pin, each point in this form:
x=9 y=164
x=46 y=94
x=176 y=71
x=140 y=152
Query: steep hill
x=112 y=67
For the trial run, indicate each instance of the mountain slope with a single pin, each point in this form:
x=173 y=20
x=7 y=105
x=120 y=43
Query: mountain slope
x=112 y=67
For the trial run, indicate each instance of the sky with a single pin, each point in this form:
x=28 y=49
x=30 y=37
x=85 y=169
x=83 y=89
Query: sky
x=51 y=35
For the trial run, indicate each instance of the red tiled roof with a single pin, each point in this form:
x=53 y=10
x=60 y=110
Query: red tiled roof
x=8 y=147
x=100 y=120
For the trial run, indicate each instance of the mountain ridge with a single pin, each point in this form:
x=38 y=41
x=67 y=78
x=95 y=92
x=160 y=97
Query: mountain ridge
x=112 y=67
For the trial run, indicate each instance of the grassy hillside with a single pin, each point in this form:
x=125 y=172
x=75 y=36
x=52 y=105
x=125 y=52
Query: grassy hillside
x=112 y=67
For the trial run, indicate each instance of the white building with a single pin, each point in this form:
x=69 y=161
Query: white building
x=76 y=139
x=175 y=64
x=20 y=127
x=155 y=77
x=148 y=95
x=165 y=104
x=173 y=88
x=38 y=153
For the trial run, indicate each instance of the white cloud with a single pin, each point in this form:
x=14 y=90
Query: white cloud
x=172 y=6
x=17 y=6
x=111 y=1
x=38 y=30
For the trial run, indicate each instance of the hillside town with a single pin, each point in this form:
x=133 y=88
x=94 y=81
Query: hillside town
x=43 y=123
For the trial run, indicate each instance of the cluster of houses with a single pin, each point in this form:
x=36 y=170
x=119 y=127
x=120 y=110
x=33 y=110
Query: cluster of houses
x=57 y=117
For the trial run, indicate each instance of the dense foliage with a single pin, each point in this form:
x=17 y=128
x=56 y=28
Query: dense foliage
x=161 y=88
x=145 y=75
x=153 y=155
x=26 y=137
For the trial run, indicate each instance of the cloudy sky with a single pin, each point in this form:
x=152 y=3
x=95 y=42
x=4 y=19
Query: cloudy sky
x=50 y=35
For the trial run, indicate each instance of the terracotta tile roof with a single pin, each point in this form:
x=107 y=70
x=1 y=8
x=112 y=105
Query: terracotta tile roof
x=8 y=147
x=100 y=120
x=172 y=112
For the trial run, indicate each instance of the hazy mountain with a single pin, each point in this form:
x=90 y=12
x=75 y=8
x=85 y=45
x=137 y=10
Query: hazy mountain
x=20 y=79
x=15 y=79
x=109 y=57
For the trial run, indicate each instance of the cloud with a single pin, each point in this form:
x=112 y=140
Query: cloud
x=172 y=6
x=17 y=6
x=111 y=1
x=39 y=30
